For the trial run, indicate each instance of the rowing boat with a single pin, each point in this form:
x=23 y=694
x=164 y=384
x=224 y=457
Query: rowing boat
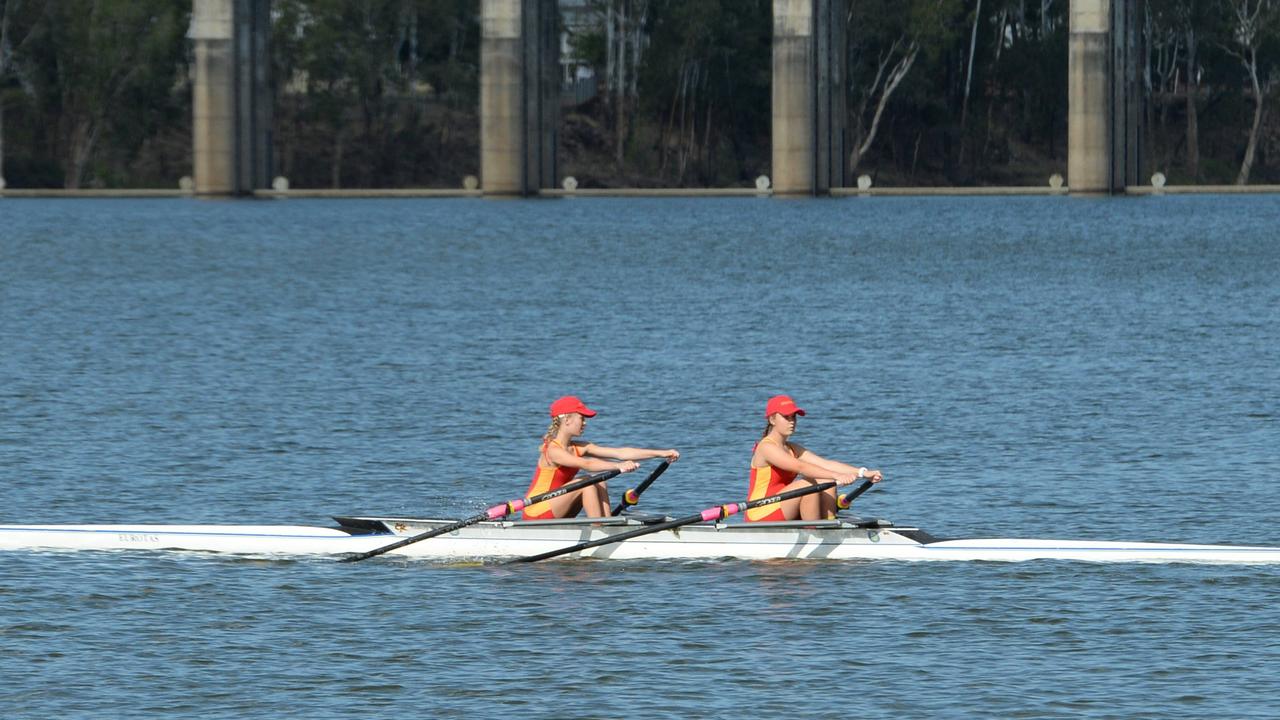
x=842 y=539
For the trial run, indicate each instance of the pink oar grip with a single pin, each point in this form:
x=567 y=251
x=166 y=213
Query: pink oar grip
x=500 y=511
x=711 y=514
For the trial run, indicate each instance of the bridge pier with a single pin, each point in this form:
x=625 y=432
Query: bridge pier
x=231 y=122
x=519 y=95
x=809 y=116
x=1104 y=112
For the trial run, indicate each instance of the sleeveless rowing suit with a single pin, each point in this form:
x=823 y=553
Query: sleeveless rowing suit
x=546 y=479
x=765 y=482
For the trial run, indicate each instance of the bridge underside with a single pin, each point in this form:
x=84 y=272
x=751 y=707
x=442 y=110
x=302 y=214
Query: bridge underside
x=519 y=96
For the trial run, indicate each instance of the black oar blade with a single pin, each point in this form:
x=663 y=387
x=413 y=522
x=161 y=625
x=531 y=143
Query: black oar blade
x=632 y=497
x=494 y=513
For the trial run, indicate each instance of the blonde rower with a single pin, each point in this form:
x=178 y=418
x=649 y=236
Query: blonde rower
x=777 y=464
x=562 y=456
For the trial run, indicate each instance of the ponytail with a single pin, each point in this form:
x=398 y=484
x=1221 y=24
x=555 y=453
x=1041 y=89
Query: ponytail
x=553 y=428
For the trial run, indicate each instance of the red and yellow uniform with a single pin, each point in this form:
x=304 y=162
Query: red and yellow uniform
x=767 y=481
x=546 y=479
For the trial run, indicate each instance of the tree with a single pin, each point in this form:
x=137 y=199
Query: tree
x=1194 y=20
x=624 y=32
x=695 y=104
x=369 y=86
x=15 y=23
x=1254 y=25
x=1182 y=34
x=885 y=39
x=91 y=58
x=6 y=53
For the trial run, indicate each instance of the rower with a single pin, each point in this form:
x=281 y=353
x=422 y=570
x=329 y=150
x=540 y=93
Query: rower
x=777 y=465
x=562 y=456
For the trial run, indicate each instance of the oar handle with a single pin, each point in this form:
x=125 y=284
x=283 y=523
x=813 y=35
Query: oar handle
x=723 y=511
x=515 y=506
x=718 y=512
x=494 y=513
x=632 y=496
x=844 y=501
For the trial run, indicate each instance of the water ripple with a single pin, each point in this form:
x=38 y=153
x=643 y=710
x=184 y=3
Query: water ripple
x=1020 y=367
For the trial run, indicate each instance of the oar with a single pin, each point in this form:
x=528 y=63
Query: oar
x=719 y=512
x=844 y=501
x=494 y=513
x=632 y=496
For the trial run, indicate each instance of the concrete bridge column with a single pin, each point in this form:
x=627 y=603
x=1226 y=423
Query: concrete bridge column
x=793 y=97
x=519 y=95
x=213 y=123
x=809 y=116
x=831 y=159
x=1104 y=129
x=231 y=123
x=1128 y=96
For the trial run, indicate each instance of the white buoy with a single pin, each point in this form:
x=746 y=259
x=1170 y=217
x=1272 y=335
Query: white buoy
x=1055 y=181
x=280 y=184
x=470 y=182
x=570 y=183
x=864 y=182
x=186 y=184
x=1 y=182
x=762 y=183
x=1158 y=180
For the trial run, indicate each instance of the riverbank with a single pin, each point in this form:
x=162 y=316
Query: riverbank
x=1136 y=190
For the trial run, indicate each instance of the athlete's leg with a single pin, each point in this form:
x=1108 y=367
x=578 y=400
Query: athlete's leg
x=595 y=500
x=827 y=501
x=567 y=505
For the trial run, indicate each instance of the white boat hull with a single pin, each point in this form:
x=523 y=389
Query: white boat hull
x=833 y=540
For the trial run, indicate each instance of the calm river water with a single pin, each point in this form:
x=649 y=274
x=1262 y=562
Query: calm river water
x=1018 y=367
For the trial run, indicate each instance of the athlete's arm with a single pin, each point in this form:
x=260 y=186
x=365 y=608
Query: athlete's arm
x=835 y=466
x=630 y=453
x=564 y=458
x=780 y=457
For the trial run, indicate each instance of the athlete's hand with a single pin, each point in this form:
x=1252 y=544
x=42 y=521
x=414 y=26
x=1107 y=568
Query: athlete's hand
x=870 y=474
x=843 y=479
x=671 y=455
x=626 y=466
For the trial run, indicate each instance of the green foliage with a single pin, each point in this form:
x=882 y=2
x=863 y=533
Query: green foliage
x=96 y=69
x=362 y=84
x=704 y=99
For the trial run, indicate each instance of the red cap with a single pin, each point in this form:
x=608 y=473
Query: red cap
x=570 y=404
x=781 y=404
